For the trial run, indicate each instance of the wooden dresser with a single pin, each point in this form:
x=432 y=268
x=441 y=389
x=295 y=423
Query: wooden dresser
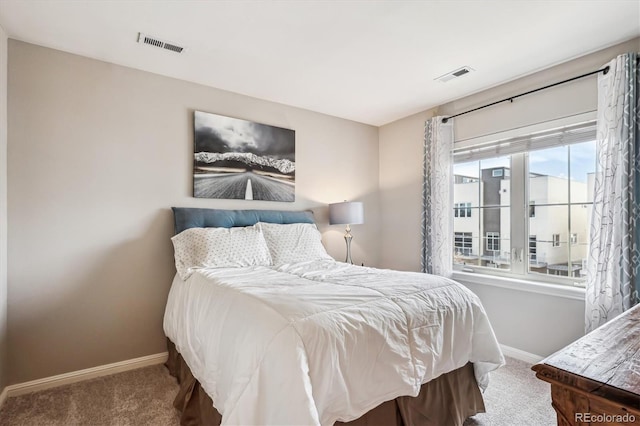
x=596 y=380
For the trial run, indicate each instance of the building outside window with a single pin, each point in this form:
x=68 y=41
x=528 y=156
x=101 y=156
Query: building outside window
x=556 y=169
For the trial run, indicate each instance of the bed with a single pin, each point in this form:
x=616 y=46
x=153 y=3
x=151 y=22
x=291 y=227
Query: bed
x=263 y=327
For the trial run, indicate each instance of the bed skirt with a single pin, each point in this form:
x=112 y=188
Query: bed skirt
x=446 y=400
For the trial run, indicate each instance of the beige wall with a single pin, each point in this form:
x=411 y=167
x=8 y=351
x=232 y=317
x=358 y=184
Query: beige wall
x=98 y=153
x=3 y=208
x=401 y=188
x=401 y=156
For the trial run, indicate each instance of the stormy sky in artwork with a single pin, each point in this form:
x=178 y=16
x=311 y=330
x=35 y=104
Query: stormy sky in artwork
x=216 y=133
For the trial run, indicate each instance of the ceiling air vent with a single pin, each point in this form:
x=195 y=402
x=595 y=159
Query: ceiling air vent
x=454 y=74
x=154 y=41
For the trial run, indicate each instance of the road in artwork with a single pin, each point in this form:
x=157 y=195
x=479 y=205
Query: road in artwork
x=234 y=186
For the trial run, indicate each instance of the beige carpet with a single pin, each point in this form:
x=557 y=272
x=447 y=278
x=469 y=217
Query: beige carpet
x=516 y=397
x=144 y=397
x=134 y=398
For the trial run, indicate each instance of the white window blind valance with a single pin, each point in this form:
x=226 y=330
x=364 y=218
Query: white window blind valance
x=576 y=133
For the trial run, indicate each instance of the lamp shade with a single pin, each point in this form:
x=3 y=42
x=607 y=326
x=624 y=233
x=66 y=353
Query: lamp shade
x=349 y=213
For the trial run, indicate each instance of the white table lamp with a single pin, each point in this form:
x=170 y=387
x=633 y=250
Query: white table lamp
x=346 y=213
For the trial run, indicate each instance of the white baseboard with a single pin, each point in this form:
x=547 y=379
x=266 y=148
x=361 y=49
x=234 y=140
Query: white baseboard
x=521 y=355
x=81 y=375
x=146 y=361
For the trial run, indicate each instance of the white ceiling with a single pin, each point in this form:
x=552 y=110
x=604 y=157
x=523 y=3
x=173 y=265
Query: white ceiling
x=368 y=61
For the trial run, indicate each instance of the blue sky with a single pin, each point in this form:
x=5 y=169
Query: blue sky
x=551 y=162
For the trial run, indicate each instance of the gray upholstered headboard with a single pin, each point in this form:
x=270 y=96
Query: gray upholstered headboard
x=185 y=217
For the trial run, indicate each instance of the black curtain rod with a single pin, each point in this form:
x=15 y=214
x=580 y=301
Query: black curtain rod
x=511 y=98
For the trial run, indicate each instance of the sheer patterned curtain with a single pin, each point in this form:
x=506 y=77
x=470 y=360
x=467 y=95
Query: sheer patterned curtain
x=613 y=264
x=437 y=210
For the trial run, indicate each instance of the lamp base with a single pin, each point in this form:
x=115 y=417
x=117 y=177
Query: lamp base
x=348 y=237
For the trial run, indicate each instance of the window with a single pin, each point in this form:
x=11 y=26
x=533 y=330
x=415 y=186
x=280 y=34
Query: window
x=544 y=219
x=463 y=243
x=493 y=241
x=462 y=209
x=533 y=249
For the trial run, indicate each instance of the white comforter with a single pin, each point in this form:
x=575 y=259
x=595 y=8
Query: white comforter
x=316 y=342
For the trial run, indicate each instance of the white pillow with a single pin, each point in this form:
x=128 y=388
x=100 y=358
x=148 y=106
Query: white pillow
x=296 y=242
x=219 y=248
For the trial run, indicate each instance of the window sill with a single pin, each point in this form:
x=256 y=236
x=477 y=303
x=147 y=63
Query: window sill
x=568 y=292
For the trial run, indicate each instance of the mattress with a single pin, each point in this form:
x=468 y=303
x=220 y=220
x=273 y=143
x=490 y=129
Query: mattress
x=335 y=340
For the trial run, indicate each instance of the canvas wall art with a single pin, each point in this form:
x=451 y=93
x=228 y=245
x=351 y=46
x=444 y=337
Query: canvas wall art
x=239 y=159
